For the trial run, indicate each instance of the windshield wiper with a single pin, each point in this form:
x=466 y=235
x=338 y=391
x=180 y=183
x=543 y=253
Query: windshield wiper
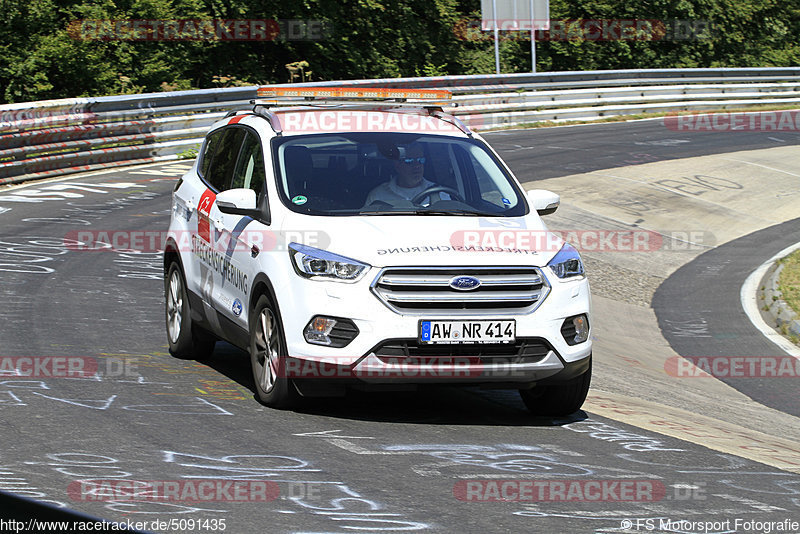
x=456 y=212
x=431 y=212
x=388 y=212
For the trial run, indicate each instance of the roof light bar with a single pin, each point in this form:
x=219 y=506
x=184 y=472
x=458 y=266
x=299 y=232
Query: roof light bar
x=352 y=93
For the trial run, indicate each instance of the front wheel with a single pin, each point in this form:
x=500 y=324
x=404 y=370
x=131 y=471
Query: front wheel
x=268 y=356
x=558 y=399
x=186 y=341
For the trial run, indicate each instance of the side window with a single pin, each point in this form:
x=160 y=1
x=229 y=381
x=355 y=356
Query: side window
x=487 y=186
x=250 y=173
x=220 y=172
x=208 y=154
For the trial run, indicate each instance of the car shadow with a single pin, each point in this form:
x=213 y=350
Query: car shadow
x=429 y=404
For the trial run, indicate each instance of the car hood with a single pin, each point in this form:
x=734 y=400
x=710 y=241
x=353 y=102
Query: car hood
x=387 y=240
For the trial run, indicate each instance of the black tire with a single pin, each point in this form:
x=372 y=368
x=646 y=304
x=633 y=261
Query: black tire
x=186 y=341
x=268 y=356
x=558 y=399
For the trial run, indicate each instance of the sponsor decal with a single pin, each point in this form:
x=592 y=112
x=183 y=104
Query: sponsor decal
x=450 y=248
x=237 y=307
x=220 y=263
x=203 y=212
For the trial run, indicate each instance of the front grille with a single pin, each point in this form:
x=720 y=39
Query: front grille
x=524 y=350
x=427 y=290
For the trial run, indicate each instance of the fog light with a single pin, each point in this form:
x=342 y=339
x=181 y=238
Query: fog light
x=318 y=330
x=581 y=328
x=575 y=329
x=330 y=331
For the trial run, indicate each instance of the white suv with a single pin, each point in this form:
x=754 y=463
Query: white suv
x=348 y=243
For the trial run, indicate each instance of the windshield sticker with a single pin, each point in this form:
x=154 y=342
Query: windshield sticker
x=299 y=200
x=506 y=202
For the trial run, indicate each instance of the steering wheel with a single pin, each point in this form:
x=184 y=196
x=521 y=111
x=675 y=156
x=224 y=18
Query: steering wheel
x=455 y=195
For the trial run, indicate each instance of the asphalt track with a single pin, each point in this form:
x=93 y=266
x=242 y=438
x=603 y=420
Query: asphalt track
x=370 y=462
x=700 y=313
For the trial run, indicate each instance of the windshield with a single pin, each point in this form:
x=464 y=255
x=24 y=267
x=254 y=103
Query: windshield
x=393 y=174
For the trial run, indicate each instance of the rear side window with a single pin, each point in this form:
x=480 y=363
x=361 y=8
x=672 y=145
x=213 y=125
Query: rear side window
x=220 y=172
x=250 y=173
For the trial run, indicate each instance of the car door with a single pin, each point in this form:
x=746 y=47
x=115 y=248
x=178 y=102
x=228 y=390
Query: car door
x=241 y=233
x=194 y=198
x=208 y=244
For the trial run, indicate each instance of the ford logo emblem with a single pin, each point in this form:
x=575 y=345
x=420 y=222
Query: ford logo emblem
x=465 y=283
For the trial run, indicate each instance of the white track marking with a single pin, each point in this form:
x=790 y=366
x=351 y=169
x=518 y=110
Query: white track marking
x=749 y=301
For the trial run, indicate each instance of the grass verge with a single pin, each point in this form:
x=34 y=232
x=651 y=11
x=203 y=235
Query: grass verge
x=789 y=280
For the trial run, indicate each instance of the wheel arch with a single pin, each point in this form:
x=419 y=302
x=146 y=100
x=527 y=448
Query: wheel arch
x=263 y=286
x=171 y=255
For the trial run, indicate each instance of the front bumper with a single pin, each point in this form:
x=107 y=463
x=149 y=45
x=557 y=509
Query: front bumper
x=511 y=371
x=377 y=323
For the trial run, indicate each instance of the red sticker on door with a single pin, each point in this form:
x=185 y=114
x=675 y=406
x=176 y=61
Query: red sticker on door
x=203 y=212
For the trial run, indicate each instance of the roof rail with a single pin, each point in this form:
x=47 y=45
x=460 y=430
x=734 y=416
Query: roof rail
x=272 y=118
x=261 y=111
x=452 y=119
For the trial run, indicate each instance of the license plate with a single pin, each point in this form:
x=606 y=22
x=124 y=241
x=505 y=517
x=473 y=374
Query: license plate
x=467 y=331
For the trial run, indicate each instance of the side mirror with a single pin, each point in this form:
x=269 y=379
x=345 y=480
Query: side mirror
x=242 y=202
x=543 y=201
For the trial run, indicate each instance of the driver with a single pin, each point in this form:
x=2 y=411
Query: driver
x=408 y=181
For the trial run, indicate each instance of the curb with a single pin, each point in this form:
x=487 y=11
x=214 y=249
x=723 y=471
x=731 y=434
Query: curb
x=779 y=310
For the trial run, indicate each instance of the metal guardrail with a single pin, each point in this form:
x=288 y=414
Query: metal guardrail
x=50 y=138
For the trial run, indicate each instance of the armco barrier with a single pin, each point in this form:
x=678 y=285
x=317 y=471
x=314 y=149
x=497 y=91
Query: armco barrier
x=50 y=138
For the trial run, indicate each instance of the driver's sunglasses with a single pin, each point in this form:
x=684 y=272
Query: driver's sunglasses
x=409 y=161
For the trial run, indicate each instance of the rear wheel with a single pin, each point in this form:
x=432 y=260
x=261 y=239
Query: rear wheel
x=186 y=341
x=558 y=399
x=268 y=356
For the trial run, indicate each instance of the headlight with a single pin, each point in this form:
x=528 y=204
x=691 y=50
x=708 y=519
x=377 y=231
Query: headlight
x=567 y=263
x=311 y=262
